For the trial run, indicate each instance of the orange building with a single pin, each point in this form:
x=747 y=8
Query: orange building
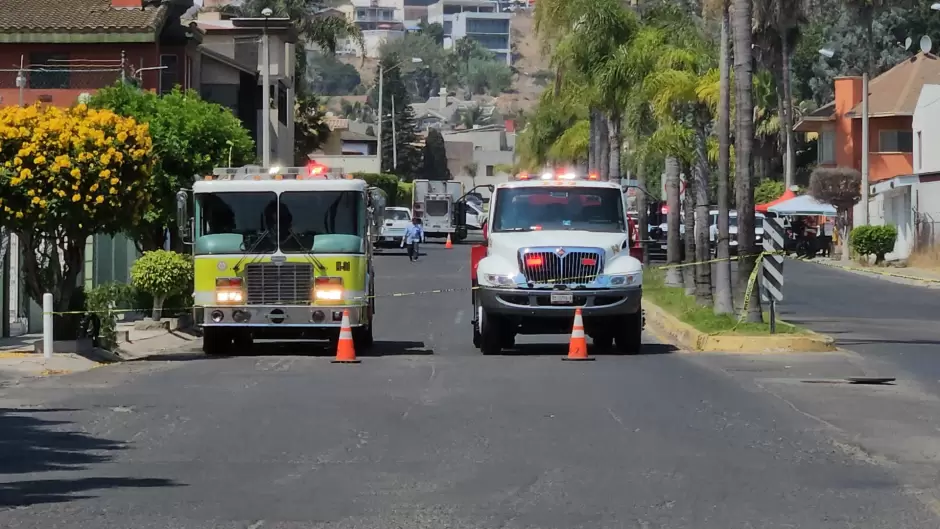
x=892 y=99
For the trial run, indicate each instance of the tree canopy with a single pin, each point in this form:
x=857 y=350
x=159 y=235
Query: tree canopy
x=191 y=136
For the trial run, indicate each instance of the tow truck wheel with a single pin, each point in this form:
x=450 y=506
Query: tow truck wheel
x=491 y=334
x=477 y=337
x=216 y=342
x=629 y=336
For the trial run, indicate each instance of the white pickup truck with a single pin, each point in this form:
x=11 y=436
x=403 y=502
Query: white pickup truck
x=395 y=221
x=552 y=245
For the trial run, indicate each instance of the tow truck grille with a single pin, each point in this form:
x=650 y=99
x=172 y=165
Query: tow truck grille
x=287 y=284
x=574 y=267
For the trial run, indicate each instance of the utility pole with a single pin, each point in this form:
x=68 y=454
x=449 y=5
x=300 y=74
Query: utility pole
x=21 y=83
x=865 y=151
x=381 y=117
x=394 y=138
x=266 y=96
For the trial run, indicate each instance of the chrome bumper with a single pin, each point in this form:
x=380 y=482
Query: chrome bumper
x=278 y=316
x=538 y=303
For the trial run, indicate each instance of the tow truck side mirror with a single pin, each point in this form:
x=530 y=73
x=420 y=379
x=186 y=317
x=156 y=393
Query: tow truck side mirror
x=183 y=221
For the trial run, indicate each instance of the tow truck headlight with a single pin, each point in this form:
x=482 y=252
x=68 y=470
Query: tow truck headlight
x=499 y=280
x=328 y=289
x=626 y=280
x=228 y=290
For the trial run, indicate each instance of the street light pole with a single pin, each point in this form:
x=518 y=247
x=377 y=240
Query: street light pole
x=265 y=98
x=414 y=60
x=865 y=151
x=381 y=117
x=394 y=137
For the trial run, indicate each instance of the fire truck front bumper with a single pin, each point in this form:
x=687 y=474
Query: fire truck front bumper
x=279 y=316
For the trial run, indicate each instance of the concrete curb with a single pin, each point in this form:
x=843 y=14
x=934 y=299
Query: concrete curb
x=693 y=340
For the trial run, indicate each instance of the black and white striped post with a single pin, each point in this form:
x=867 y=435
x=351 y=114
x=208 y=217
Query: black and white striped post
x=772 y=267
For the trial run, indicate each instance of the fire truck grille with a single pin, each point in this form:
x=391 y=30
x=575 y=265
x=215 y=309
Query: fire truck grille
x=287 y=284
x=575 y=267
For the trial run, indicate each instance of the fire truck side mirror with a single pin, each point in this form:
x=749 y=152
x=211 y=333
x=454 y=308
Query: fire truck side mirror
x=183 y=220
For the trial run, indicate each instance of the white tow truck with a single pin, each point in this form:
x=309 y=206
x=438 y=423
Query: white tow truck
x=553 y=244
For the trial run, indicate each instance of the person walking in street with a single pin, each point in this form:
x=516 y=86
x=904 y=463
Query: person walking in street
x=413 y=235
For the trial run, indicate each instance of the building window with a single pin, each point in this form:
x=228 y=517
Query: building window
x=448 y=27
x=169 y=73
x=826 y=147
x=483 y=25
x=361 y=13
x=490 y=170
x=48 y=70
x=895 y=141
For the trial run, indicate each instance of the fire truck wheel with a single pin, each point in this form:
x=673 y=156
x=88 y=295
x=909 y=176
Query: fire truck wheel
x=629 y=335
x=216 y=342
x=477 y=337
x=491 y=333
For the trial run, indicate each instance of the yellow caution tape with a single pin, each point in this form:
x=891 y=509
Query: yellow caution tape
x=392 y=295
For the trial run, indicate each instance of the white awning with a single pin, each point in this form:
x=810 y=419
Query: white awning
x=803 y=205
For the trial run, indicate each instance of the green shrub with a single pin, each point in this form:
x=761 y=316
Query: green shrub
x=874 y=240
x=162 y=274
x=403 y=194
x=102 y=301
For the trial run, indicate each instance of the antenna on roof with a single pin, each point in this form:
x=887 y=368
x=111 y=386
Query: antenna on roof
x=926 y=44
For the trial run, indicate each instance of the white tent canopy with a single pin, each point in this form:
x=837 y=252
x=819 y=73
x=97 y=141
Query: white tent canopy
x=803 y=205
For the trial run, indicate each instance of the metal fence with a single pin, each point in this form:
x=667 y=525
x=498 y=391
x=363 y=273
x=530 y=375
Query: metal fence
x=927 y=230
x=46 y=78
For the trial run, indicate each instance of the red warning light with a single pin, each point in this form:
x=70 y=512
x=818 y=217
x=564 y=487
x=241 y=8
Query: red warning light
x=534 y=261
x=588 y=261
x=315 y=169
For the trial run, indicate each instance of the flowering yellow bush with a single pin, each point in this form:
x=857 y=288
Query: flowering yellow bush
x=80 y=169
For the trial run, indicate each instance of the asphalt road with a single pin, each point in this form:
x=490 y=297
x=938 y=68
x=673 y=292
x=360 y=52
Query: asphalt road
x=427 y=433
x=893 y=323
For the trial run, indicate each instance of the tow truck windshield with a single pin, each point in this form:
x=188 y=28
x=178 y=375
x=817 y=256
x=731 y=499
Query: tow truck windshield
x=552 y=208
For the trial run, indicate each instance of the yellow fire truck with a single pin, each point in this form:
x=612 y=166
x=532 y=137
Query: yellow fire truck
x=280 y=253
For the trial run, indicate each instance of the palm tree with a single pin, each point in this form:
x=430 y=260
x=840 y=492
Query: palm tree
x=323 y=31
x=584 y=35
x=741 y=22
x=724 y=303
x=778 y=22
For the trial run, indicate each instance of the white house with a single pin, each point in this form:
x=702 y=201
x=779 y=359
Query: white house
x=912 y=202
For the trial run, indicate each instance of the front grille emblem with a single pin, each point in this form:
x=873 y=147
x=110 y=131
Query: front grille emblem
x=560 y=252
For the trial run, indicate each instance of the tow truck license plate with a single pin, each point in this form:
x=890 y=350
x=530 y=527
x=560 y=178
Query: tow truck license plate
x=562 y=299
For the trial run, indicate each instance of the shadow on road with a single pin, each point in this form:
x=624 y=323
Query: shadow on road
x=302 y=348
x=557 y=349
x=30 y=444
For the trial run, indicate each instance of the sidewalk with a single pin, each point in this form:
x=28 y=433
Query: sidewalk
x=19 y=359
x=902 y=275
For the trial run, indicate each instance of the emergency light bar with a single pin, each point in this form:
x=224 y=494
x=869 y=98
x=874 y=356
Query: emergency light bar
x=312 y=171
x=548 y=175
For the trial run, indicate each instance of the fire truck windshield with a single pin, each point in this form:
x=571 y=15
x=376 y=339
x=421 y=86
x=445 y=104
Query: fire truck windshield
x=553 y=208
x=229 y=221
x=318 y=214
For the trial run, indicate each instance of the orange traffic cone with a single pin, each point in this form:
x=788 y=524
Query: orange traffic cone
x=449 y=243
x=577 y=347
x=345 y=350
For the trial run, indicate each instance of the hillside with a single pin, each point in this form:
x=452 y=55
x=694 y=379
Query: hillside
x=533 y=69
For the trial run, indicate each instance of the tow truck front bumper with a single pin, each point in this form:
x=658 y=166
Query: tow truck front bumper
x=552 y=303
x=267 y=316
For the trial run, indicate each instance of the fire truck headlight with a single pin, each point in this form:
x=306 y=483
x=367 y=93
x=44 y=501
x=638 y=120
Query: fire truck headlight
x=228 y=296
x=330 y=294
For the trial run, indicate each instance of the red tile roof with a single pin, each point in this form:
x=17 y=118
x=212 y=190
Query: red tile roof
x=76 y=16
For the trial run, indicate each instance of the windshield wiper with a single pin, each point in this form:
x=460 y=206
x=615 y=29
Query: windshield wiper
x=316 y=262
x=251 y=250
